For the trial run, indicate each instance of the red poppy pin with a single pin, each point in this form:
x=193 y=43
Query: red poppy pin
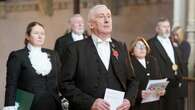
x=115 y=53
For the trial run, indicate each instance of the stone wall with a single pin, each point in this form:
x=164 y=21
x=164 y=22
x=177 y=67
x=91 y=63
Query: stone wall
x=132 y=21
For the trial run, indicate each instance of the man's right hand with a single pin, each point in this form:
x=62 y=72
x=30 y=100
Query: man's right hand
x=100 y=104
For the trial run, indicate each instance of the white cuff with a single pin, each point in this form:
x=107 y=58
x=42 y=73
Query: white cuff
x=11 y=107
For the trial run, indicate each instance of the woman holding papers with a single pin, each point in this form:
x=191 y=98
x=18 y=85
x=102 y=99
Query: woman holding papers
x=145 y=67
x=34 y=70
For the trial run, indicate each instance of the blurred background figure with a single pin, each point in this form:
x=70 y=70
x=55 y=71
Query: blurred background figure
x=180 y=42
x=170 y=64
x=146 y=68
x=33 y=69
x=178 y=39
x=76 y=33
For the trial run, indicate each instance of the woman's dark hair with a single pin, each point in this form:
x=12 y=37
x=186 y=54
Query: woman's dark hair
x=29 y=29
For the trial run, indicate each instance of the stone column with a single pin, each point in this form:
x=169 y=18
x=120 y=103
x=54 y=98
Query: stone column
x=179 y=13
x=46 y=7
x=191 y=35
x=191 y=38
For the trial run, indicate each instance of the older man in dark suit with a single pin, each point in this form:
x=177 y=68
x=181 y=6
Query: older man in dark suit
x=170 y=65
x=96 y=63
x=76 y=33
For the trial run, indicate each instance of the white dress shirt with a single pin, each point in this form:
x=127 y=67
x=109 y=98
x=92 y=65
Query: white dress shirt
x=77 y=37
x=166 y=43
x=103 y=49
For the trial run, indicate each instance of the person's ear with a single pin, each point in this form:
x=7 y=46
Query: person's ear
x=27 y=38
x=91 y=26
x=157 y=29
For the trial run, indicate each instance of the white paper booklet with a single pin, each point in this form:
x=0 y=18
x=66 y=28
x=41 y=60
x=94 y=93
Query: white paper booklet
x=156 y=85
x=114 y=98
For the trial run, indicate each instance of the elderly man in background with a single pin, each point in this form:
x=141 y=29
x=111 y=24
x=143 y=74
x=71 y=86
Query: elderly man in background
x=95 y=64
x=76 y=33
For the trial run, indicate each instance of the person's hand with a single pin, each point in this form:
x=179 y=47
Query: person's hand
x=146 y=93
x=125 y=105
x=161 y=92
x=100 y=104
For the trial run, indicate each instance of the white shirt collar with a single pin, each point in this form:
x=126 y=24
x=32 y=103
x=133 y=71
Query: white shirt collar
x=77 y=37
x=160 y=38
x=97 y=40
x=143 y=62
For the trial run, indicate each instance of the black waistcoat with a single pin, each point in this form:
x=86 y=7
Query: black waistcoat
x=107 y=79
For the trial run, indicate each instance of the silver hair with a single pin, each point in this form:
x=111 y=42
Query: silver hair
x=92 y=11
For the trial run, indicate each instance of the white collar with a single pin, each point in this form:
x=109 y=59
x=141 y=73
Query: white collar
x=97 y=40
x=39 y=60
x=33 y=48
x=77 y=37
x=143 y=62
x=161 y=38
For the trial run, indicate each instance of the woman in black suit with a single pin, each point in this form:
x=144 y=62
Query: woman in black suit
x=145 y=67
x=33 y=69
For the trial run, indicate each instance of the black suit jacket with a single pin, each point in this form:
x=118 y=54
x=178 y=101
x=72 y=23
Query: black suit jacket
x=21 y=74
x=80 y=74
x=143 y=75
x=166 y=70
x=63 y=42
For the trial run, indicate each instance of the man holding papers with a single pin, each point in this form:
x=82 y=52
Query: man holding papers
x=170 y=64
x=97 y=64
x=145 y=68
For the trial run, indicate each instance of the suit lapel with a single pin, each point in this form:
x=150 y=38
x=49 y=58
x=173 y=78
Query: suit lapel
x=92 y=54
x=116 y=64
x=95 y=53
x=27 y=60
x=92 y=46
x=137 y=64
x=177 y=55
x=70 y=39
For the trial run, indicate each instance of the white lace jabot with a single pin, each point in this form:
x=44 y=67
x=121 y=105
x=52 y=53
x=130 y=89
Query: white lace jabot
x=39 y=60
